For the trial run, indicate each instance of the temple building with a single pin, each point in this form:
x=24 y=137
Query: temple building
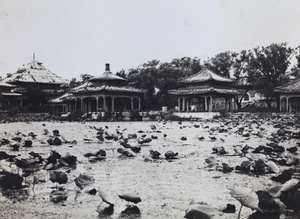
x=206 y=91
x=289 y=96
x=37 y=85
x=105 y=93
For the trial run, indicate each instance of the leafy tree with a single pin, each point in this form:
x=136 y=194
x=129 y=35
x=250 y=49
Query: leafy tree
x=267 y=68
x=187 y=66
x=295 y=70
x=145 y=77
x=157 y=78
x=222 y=63
x=167 y=79
x=85 y=77
x=122 y=74
x=240 y=70
x=73 y=83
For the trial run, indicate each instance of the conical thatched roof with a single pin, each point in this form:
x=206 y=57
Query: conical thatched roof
x=35 y=72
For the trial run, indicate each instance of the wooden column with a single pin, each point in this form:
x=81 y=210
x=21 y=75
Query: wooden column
x=104 y=103
x=139 y=99
x=287 y=105
x=97 y=103
x=280 y=104
x=81 y=106
x=210 y=104
x=178 y=102
x=131 y=101
x=113 y=104
x=183 y=104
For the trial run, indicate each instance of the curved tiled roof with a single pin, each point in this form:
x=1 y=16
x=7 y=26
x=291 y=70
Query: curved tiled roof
x=107 y=76
x=3 y=84
x=205 y=75
x=292 y=87
x=62 y=98
x=205 y=90
x=88 y=87
x=35 y=72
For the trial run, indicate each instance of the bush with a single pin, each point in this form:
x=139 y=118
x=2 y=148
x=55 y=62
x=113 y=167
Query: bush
x=75 y=115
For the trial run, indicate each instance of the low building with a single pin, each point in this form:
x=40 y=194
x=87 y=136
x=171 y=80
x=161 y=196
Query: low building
x=105 y=93
x=289 y=96
x=206 y=91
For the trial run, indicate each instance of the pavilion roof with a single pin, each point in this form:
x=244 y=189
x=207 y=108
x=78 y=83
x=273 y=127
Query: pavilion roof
x=205 y=75
x=205 y=90
x=35 y=72
x=3 y=84
x=10 y=94
x=89 y=87
x=107 y=75
x=62 y=98
x=292 y=87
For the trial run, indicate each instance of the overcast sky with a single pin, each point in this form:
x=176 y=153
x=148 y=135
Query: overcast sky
x=73 y=37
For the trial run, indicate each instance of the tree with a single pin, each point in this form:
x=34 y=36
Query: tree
x=85 y=77
x=187 y=66
x=145 y=77
x=167 y=78
x=222 y=63
x=73 y=83
x=122 y=74
x=240 y=72
x=295 y=70
x=267 y=68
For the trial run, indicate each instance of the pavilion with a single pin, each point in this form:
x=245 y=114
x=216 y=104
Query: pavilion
x=105 y=93
x=289 y=96
x=206 y=91
x=36 y=84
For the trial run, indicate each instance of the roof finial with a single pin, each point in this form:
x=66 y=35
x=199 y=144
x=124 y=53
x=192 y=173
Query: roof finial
x=107 y=67
x=33 y=56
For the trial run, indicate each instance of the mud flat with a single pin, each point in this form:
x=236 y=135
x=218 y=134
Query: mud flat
x=165 y=186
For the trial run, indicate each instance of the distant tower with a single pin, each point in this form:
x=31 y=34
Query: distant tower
x=33 y=56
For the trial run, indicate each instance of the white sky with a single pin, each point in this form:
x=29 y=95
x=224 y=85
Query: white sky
x=73 y=37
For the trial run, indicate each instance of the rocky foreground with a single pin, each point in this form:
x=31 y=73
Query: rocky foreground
x=195 y=169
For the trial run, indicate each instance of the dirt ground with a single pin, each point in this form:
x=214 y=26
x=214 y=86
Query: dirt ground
x=166 y=187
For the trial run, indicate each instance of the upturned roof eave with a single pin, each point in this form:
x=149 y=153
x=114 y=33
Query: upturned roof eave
x=210 y=90
x=107 y=89
x=207 y=75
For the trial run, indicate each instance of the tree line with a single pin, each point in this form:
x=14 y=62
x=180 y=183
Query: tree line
x=262 y=68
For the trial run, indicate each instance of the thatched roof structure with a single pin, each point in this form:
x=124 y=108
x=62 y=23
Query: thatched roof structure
x=35 y=72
